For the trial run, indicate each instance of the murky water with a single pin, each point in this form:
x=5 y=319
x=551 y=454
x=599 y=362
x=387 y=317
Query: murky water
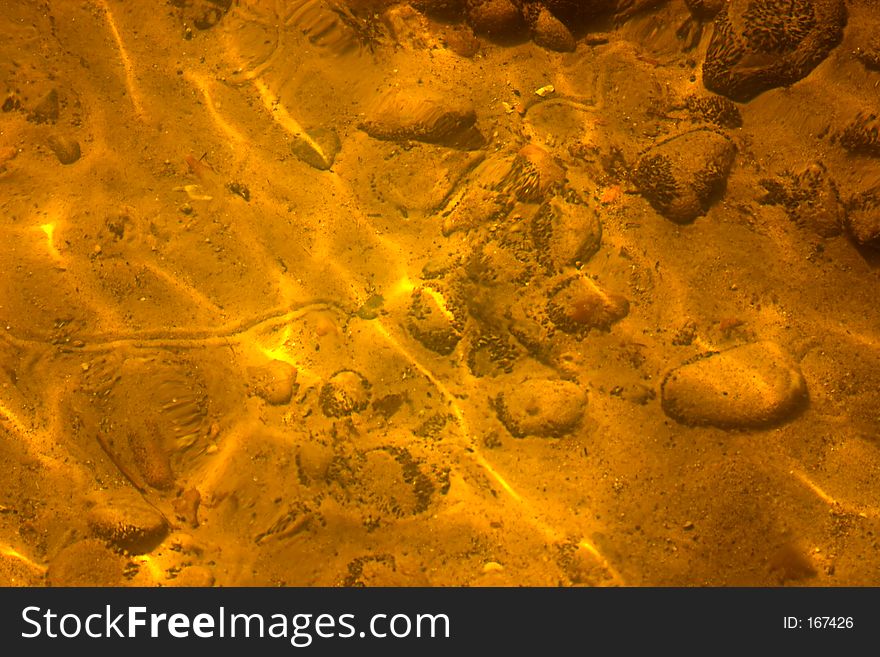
x=439 y=293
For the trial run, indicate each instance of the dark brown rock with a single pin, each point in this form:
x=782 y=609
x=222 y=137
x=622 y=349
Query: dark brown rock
x=67 y=150
x=548 y=31
x=499 y=19
x=757 y=45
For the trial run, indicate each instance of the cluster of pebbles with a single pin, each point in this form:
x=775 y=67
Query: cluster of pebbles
x=529 y=233
x=548 y=22
x=755 y=46
x=528 y=236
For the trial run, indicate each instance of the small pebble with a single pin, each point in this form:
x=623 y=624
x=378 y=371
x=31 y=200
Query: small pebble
x=67 y=150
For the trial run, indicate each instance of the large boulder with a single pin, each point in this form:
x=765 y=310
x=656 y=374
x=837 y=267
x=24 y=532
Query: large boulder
x=761 y=44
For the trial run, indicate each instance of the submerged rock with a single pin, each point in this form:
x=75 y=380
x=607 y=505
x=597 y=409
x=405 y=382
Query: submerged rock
x=863 y=218
x=566 y=233
x=810 y=199
x=704 y=9
x=400 y=116
x=477 y=207
x=47 y=110
x=432 y=322
x=548 y=31
x=499 y=19
x=533 y=175
x=579 y=305
x=273 y=381
x=717 y=110
x=750 y=386
x=67 y=150
x=862 y=135
x=757 y=45
x=345 y=393
x=541 y=407
x=123 y=518
x=318 y=148
x=682 y=176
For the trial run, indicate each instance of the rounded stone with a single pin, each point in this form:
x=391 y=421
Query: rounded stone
x=548 y=31
x=863 y=218
x=500 y=19
x=274 y=381
x=565 y=233
x=541 y=407
x=682 y=176
x=67 y=150
x=425 y=117
x=579 y=305
x=432 y=322
x=345 y=393
x=460 y=39
x=152 y=461
x=317 y=148
x=123 y=518
x=533 y=175
x=757 y=45
x=749 y=386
